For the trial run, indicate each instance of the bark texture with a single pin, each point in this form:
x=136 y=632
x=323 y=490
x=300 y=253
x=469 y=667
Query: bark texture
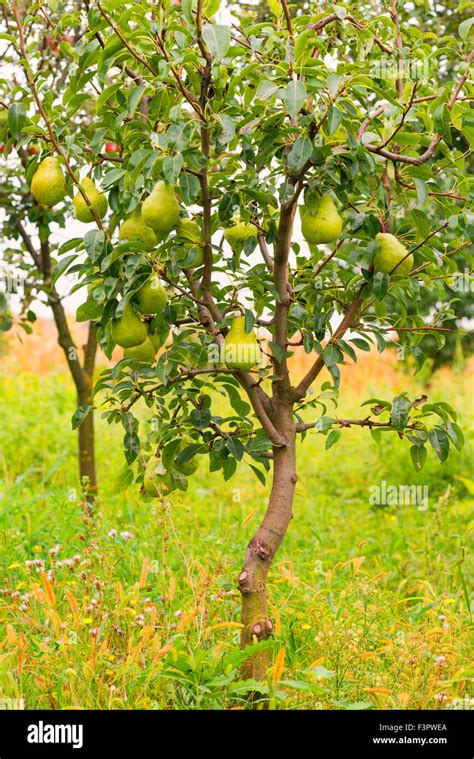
x=262 y=548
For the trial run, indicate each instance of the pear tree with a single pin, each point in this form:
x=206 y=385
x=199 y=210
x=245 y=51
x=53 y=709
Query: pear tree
x=35 y=203
x=233 y=131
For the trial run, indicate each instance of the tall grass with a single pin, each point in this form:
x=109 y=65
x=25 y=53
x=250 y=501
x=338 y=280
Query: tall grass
x=140 y=609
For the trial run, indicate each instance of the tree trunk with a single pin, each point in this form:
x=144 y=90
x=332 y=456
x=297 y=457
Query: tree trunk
x=262 y=548
x=86 y=443
x=86 y=439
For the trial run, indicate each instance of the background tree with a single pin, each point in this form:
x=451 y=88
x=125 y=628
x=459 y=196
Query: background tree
x=249 y=123
x=30 y=230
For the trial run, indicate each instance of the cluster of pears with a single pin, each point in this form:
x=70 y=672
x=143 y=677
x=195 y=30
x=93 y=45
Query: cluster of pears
x=157 y=217
x=133 y=334
x=48 y=187
x=324 y=225
x=241 y=350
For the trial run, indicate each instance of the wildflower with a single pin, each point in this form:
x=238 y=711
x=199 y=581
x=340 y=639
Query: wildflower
x=441 y=662
x=112 y=533
x=127 y=535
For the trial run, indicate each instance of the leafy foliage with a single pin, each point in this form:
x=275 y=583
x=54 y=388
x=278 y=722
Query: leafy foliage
x=247 y=121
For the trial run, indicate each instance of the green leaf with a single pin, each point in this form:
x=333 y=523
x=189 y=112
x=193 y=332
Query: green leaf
x=442 y=122
x=400 y=412
x=456 y=435
x=275 y=7
x=266 y=89
x=217 y=38
x=172 y=166
x=333 y=120
x=440 y=443
x=16 y=119
x=131 y=444
x=88 y=311
x=421 y=190
x=134 y=97
x=294 y=96
x=300 y=153
x=464 y=28
x=332 y=355
x=381 y=284
x=259 y=474
x=61 y=267
x=200 y=418
x=418 y=455
x=332 y=438
x=112 y=177
x=376 y=435
x=235 y=448
x=324 y=423
x=189 y=187
x=94 y=243
x=79 y=415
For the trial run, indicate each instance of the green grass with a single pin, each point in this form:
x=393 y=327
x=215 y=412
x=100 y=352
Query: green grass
x=371 y=604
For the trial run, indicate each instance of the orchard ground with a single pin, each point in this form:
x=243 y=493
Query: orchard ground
x=140 y=610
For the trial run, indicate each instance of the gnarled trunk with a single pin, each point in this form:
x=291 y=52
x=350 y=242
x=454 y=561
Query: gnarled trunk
x=262 y=548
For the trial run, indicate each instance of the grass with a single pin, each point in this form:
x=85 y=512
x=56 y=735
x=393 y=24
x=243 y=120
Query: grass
x=140 y=609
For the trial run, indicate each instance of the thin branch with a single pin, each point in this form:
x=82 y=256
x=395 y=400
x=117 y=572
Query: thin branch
x=28 y=243
x=119 y=34
x=368 y=422
x=262 y=244
x=302 y=388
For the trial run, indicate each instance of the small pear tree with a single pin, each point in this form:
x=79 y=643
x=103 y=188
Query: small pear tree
x=30 y=230
x=355 y=121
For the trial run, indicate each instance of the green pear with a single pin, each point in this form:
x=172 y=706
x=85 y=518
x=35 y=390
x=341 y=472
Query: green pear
x=151 y=297
x=160 y=210
x=134 y=228
x=238 y=233
x=241 y=349
x=48 y=185
x=390 y=252
x=128 y=330
x=97 y=200
x=145 y=352
x=323 y=226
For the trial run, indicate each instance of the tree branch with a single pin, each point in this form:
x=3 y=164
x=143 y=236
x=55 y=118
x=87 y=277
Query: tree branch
x=302 y=388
